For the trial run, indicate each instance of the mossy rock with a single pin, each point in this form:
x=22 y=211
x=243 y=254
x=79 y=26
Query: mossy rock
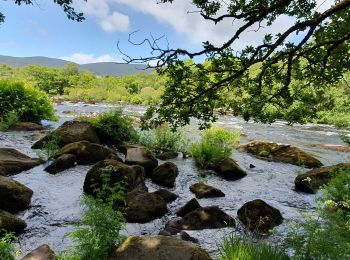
x=11 y=223
x=165 y=174
x=202 y=190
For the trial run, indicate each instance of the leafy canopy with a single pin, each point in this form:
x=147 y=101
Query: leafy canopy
x=284 y=76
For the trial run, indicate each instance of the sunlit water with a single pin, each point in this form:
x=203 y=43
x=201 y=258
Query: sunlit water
x=55 y=203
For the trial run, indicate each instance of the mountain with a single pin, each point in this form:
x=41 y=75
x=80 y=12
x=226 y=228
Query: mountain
x=100 y=68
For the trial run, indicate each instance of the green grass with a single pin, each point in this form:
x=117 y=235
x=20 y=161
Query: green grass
x=8 y=120
x=8 y=250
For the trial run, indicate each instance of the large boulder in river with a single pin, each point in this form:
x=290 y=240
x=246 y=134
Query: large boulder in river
x=14 y=196
x=158 y=248
x=25 y=126
x=229 y=169
x=70 y=132
x=202 y=218
x=133 y=177
x=166 y=195
x=43 y=252
x=63 y=162
x=202 y=190
x=87 y=153
x=13 y=162
x=280 y=153
x=11 y=223
x=312 y=180
x=143 y=207
x=258 y=216
x=141 y=156
x=165 y=174
x=188 y=207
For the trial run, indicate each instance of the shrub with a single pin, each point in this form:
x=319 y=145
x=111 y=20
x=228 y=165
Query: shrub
x=8 y=120
x=7 y=248
x=345 y=139
x=114 y=126
x=235 y=248
x=29 y=103
x=216 y=143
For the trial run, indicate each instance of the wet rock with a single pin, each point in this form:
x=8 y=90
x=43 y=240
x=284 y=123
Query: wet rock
x=188 y=207
x=141 y=156
x=202 y=190
x=312 y=180
x=280 y=153
x=158 y=248
x=63 y=162
x=43 y=252
x=202 y=218
x=13 y=162
x=167 y=155
x=165 y=174
x=229 y=169
x=143 y=207
x=178 y=234
x=14 y=196
x=25 y=126
x=87 y=153
x=166 y=195
x=11 y=223
x=258 y=216
x=334 y=147
x=132 y=176
x=70 y=132
x=251 y=166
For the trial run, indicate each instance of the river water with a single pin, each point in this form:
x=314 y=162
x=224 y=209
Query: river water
x=55 y=203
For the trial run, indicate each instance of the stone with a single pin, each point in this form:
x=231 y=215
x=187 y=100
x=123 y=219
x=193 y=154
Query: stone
x=70 y=132
x=165 y=174
x=14 y=196
x=312 y=180
x=13 y=162
x=11 y=223
x=280 y=153
x=334 y=147
x=202 y=190
x=43 y=252
x=188 y=207
x=228 y=169
x=167 y=155
x=141 y=156
x=25 y=126
x=158 y=248
x=258 y=216
x=166 y=195
x=63 y=162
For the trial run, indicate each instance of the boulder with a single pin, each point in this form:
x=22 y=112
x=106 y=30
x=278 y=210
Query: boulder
x=11 y=223
x=229 y=169
x=202 y=190
x=87 y=153
x=258 y=216
x=178 y=234
x=43 y=252
x=202 y=218
x=188 y=207
x=13 y=162
x=14 y=196
x=167 y=155
x=132 y=176
x=141 y=156
x=334 y=147
x=25 y=126
x=143 y=207
x=280 y=153
x=166 y=195
x=165 y=174
x=63 y=162
x=70 y=132
x=312 y=180
x=158 y=248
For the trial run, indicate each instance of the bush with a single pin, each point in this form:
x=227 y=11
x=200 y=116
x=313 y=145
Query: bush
x=216 y=143
x=8 y=120
x=29 y=103
x=114 y=126
x=7 y=248
x=245 y=249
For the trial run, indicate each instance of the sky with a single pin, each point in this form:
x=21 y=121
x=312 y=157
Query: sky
x=43 y=29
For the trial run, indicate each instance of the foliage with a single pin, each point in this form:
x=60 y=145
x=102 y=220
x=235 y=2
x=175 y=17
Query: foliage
x=235 y=248
x=8 y=120
x=98 y=232
x=51 y=147
x=29 y=103
x=327 y=235
x=7 y=248
x=345 y=138
x=114 y=126
x=216 y=143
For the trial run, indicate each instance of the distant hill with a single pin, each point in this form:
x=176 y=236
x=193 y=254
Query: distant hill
x=100 y=68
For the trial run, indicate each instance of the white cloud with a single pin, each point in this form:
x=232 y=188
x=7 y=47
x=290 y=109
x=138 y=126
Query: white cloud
x=83 y=58
x=98 y=8
x=116 y=22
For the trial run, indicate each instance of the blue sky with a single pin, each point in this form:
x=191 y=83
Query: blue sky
x=43 y=29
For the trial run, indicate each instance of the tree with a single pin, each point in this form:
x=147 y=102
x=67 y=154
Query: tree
x=279 y=78
x=65 y=4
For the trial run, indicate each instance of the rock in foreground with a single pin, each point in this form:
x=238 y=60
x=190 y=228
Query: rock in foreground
x=165 y=174
x=202 y=190
x=11 y=223
x=63 y=162
x=43 y=252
